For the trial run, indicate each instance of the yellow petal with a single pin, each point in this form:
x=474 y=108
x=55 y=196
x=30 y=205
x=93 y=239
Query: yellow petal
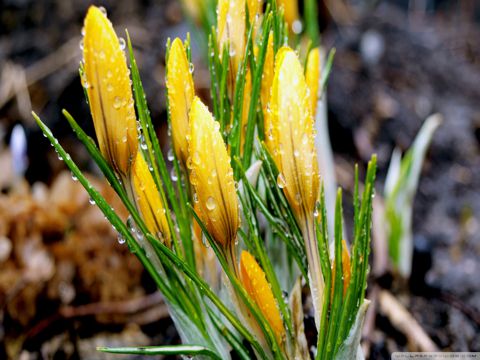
x=148 y=200
x=312 y=76
x=347 y=272
x=254 y=9
x=265 y=91
x=254 y=12
x=109 y=92
x=231 y=30
x=293 y=135
x=180 y=91
x=247 y=91
x=290 y=10
x=256 y=285
x=212 y=176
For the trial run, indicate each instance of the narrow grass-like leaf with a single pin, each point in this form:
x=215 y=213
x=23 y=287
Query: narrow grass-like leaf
x=327 y=69
x=186 y=350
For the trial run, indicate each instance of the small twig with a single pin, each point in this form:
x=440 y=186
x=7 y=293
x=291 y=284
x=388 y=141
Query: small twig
x=403 y=320
x=115 y=307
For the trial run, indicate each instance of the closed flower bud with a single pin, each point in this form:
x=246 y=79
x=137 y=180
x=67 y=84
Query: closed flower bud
x=293 y=135
x=148 y=200
x=290 y=10
x=312 y=76
x=254 y=12
x=107 y=82
x=265 y=91
x=247 y=92
x=180 y=91
x=231 y=31
x=211 y=176
x=296 y=158
x=256 y=285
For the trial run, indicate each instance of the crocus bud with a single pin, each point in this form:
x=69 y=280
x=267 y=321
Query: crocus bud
x=290 y=10
x=247 y=92
x=312 y=76
x=293 y=135
x=148 y=201
x=265 y=91
x=296 y=158
x=257 y=286
x=231 y=31
x=180 y=91
x=254 y=12
x=107 y=82
x=211 y=176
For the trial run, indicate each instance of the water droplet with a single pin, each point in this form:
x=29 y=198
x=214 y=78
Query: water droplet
x=81 y=45
x=191 y=68
x=296 y=153
x=281 y=182
x=170 y=156
x=195 y=197
x=211 y=203
x=83 y=31
x=122 y=43
x=85 y=82
x=101 y=55
x=102 y=10
x=173 y=175
x=196 y=158
x=143 y=146
x=117 y=102
x=298 y=198
x=91 y=201
x=74 y=178
x=121 y=239
x=109 y=87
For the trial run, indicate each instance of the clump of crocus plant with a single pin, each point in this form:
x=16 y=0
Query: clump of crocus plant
x=234 y=223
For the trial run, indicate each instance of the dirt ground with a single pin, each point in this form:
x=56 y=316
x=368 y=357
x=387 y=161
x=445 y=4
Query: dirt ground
x=67 y=285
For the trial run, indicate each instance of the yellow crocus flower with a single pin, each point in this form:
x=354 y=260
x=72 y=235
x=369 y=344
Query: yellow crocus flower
x=109 y=93
x=247 y=92
x=231 y=32
x=148 y=200
x=211 y=175
x=265 y=90
x=257 y=286
x=292 y=141
x=312 y=76
x=254 y=12
x=290 y=11
x=293 y=135
x=180 y=90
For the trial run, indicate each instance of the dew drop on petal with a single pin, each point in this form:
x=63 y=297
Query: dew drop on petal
x=117 y=102
x=281 y=181
x=298 y=198
x=211 y=204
